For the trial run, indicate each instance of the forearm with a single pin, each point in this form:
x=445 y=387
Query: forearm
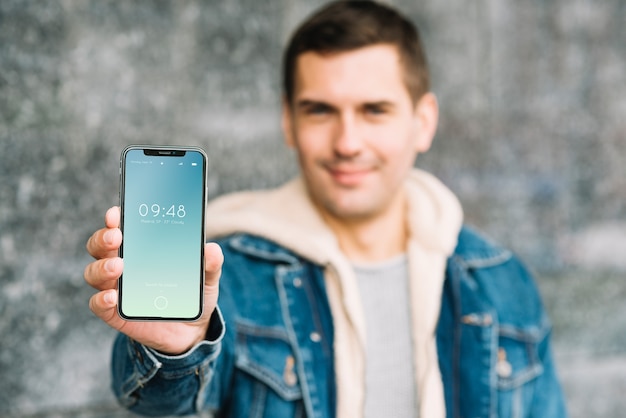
x=151 y=383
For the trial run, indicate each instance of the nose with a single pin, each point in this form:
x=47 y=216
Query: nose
x=347 y=142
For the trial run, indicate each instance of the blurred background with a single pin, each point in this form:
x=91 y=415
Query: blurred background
x=532 y=139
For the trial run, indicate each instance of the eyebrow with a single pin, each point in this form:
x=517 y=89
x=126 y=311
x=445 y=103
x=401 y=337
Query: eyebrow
x=380 y=103
x=304 y=103
x=309 y=102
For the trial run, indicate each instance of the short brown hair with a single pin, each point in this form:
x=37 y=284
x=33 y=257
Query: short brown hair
x=343 y=26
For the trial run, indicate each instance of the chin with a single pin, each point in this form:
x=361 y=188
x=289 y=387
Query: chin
x=354 y=210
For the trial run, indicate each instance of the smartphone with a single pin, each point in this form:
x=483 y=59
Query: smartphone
x=162 y=200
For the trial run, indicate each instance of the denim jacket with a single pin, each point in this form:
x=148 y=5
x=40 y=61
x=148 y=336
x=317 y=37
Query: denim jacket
x=268 y=351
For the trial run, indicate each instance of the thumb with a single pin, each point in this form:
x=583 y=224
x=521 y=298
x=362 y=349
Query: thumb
x=213 y=260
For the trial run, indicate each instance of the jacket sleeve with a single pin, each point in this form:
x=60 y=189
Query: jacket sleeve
x=150 y=383
x=549 y=400
x=522 y=304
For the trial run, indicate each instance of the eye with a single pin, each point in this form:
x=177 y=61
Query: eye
x=317 y=109
x=375 y=109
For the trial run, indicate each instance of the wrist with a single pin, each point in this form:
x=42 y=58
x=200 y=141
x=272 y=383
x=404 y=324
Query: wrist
x=210 y=332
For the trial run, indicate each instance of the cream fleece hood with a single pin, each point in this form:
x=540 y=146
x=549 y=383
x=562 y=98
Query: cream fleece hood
x=286 y=216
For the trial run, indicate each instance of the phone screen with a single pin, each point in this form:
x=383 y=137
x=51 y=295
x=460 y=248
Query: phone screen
x=162 y=196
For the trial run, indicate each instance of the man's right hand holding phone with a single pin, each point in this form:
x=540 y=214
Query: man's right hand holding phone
x=103 y=274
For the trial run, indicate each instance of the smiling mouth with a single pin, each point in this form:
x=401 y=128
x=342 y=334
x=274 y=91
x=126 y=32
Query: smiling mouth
x=348 y=176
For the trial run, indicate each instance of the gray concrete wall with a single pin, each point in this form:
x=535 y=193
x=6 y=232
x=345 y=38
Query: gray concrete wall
x=532 y=135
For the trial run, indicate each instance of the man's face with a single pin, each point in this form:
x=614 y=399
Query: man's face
x=356 y=130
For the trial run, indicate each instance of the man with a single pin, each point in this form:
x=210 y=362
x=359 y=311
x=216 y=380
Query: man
x=353 y=290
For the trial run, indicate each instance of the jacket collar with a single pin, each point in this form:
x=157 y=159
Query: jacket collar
x=476 y=251
x=472 y=251
x=261 y=248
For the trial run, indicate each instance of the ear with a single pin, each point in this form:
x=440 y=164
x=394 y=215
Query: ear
x=426 y=118
x=286 y=123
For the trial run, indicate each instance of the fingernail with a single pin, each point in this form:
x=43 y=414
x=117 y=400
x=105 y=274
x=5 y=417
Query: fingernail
x=109 y=298
x=110 y=265
x=108 y=237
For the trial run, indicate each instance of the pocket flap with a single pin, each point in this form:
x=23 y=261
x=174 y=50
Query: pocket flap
x=518 y=360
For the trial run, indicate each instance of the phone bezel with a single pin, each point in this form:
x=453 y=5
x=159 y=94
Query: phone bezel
x=163 y=151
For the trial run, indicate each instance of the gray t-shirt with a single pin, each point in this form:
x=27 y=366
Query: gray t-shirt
x=390 y=377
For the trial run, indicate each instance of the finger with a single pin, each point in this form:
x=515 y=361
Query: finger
x=103 y=274
x=112 y=217
x=103 y=304
x=104 y=243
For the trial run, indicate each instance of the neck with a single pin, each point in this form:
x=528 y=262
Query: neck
x=376 y=238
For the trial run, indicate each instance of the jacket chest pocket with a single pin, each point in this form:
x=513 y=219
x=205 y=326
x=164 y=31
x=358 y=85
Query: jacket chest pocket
x=517 y=360
x=266 y=376
x=517 y=366
x=499 y=366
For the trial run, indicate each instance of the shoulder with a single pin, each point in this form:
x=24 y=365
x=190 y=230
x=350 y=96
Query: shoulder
x=486 y=272
x=475 y=249
x=476 y=252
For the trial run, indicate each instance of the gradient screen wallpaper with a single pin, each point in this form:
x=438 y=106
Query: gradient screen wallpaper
x=163 y=201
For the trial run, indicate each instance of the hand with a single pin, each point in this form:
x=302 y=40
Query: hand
x=104 y=273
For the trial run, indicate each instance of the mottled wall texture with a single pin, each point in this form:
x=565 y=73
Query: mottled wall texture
x=532 y=139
